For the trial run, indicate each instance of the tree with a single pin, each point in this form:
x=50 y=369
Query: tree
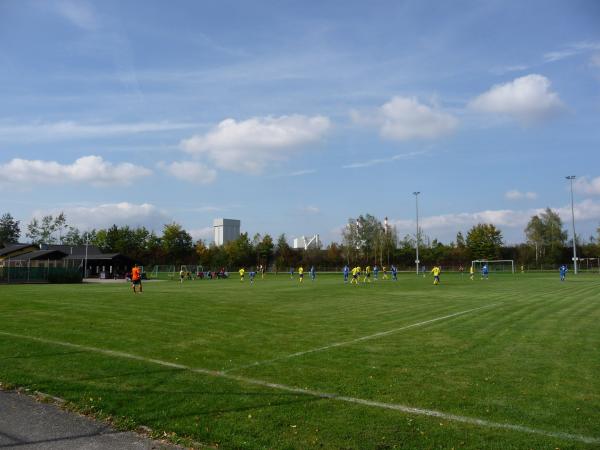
x=73 y=237
x=60 y=225
x=177 y=243
x=33 y=231
x=47 y=229
x=283 y=252
x=484 y=241
x=547 y=235
x=9 y=230
x=264 y=250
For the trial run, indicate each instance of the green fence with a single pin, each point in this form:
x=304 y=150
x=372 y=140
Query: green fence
x=40 y=275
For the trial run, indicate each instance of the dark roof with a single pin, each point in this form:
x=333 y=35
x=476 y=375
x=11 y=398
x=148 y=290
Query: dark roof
x=100 y=256
x=14 y=248
x=75 y=249
x=40 y=254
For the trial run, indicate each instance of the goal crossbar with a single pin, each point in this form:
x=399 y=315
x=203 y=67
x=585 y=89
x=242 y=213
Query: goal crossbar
x=494 y=261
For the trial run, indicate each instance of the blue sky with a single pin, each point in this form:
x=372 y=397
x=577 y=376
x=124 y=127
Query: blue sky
x=295 y=116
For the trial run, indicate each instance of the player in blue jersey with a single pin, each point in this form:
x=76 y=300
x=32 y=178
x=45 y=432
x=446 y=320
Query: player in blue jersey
x=252 y=275
x=563 y=272
x=346 y=273
x=291 y=273
x=485 y=272
x=375 y=272
x=394 y=273
x=313 y=273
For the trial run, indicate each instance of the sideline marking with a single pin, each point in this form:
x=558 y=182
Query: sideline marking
x=323 y=395
x=353 y=341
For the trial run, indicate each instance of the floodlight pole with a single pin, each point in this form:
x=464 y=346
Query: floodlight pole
x=571 y=178
x=87 y=240
x=387 y=241
x=416 y=194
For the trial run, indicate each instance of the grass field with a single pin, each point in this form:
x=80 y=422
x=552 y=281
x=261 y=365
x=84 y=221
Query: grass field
x=508 y=363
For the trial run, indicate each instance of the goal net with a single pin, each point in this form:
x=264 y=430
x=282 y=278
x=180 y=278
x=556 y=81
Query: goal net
x=496 y=265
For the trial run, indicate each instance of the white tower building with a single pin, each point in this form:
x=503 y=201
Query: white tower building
x=226 y=230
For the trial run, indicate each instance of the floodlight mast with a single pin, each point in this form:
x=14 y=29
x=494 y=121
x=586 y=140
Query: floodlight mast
x=416 y=194
x=571 y=178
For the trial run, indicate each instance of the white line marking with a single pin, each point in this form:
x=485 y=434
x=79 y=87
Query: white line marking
x=353 y=341
x=323 y=395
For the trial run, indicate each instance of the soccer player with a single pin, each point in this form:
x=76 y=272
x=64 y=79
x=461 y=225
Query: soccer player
x=242 y=272
x=313 y=273
x=136 y=278
x=563 y=272
x=181 y=275
x=346 y=272
x=436 y=274
x=394 y=273
x=522 y=268
x=252 y=275
x=485 y=272
x=291 y=273
x=261 y=269
x=471 y=272
x=367 y=274
x=301 y=273
x=355 y=272
x=385 y=275
x=375 y=272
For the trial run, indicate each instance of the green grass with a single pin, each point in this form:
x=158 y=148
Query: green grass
x=532 y=358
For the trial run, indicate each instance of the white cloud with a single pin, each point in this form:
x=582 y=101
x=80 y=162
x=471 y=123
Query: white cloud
x=79 y=13
x=374 y=162
x=249 y=146
x=42 y=131
x=585 y=185
x=87 y=169
x=404 y=118
x=448 y=224
x=105 y=215
x=310 y=209
x=205 y=233
x=190 y=171
x=518 y=195
x=527 y=99
x=571 y=50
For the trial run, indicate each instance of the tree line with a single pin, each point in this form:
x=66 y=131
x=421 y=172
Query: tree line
x=365 y=240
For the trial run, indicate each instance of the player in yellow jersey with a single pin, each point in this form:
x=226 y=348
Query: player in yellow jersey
x=242 y=272
x=301 y=273
x=354 y=272
x=385 y=275
x=436 y=274
x=471 y=272
x=367 y=274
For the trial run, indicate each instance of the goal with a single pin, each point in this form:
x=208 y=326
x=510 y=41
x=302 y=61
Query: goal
x=496 y=265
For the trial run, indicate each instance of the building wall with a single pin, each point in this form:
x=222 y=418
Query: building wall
x=226 y=230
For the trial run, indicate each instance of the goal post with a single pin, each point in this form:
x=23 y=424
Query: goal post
x=494 y=265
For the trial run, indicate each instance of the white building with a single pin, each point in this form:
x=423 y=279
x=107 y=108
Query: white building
x=306 y=243
x=226 y=230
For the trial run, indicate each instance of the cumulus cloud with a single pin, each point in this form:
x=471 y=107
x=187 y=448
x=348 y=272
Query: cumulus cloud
x=191 y=171
x=586 y=185
x=404 y=118
x=310 y=209
x=249 y=146
x=43 y=131
x=87 y=169
x=503 y=218
x=518 y=195
x=105 y=215
x=206 y=233
x=527 y=99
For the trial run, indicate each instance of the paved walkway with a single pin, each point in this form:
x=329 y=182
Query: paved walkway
x=26 y=424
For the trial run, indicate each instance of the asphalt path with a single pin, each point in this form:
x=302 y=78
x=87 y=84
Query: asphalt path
x=27 y=424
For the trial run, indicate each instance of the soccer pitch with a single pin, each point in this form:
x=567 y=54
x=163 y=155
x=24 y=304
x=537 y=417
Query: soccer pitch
x=508 y=363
